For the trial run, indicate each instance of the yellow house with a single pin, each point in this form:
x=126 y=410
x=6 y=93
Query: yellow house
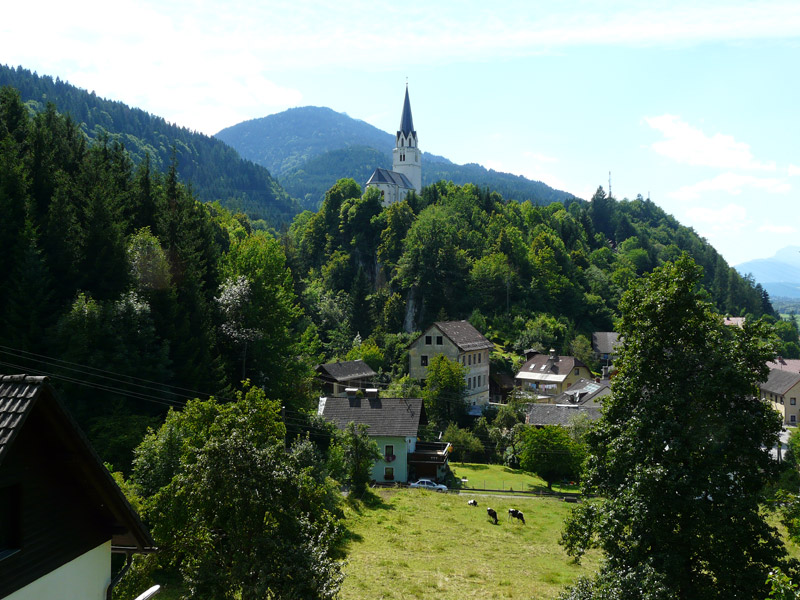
x=782 y=388
x=550 y=374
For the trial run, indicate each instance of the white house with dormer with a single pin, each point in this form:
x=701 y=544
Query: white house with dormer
x=406 y=173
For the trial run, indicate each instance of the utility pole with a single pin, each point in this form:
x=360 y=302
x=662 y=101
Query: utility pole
x=609 y=184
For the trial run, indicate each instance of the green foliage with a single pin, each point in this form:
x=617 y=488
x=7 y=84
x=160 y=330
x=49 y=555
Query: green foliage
x=231 y=510
x=465 y=443
x=551 y=453
x=216 y=171
x=677 y=456
x=369 y=352
x=359 y=453
x=445 y=386
x=781 y=587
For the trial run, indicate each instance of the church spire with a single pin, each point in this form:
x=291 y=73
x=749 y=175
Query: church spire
x=406 y=121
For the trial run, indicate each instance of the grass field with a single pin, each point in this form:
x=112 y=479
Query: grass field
x=417 y=544
x=498 y=477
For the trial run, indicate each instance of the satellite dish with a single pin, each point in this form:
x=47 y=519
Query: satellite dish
x=149 y=593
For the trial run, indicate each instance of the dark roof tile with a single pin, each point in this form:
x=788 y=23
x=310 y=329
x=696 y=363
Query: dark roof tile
x=780 y=382
x=385 y=416
x=346 y=370
x=464 y=335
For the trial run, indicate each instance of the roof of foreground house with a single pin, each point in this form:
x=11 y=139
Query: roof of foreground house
x=785 y=364
x=584 y=392
x=22 y=396
x=388 y=417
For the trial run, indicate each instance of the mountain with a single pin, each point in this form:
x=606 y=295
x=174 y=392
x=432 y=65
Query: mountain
x=215 y=170
x=779 y=275
x=310 y=148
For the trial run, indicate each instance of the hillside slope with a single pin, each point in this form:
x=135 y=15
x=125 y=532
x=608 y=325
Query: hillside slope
x=310 y=148
x=215 y=170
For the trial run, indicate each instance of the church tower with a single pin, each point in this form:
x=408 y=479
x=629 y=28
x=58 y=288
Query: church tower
x=407 y=158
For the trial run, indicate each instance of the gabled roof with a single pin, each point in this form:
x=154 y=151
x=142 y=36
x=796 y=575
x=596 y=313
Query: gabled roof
x=346 y=370
x=400 y=417
x=463 y=335
x=21 y=396
x=605 y=342
x=584 y=392
x=736 y=321
x=780 y=382
x=406 y=122
x=385 y=176
x=548 y=367
x=557 y=414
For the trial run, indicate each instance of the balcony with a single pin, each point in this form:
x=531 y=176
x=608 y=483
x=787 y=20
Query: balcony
x=430 y=453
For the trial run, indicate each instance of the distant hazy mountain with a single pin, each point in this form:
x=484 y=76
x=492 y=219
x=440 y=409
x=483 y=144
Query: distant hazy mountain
x=779 y=275
x=215 y=171
x=310 y=148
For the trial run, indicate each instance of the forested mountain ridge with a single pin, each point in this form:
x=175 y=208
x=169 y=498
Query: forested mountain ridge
x=215 y=170
x=310 y=148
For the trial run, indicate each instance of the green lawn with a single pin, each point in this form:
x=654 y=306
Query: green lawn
x=498 y=477
x=413 y=543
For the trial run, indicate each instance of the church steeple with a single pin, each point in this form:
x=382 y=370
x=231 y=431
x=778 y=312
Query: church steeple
x=406 y=121
x=406 y=158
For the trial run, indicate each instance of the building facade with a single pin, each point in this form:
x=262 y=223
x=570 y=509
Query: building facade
x=459 y=341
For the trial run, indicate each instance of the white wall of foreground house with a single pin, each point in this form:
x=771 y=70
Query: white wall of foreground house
x=84 y=578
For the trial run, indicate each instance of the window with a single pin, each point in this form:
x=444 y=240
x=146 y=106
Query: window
x=793 y=418
x=423 y=361
x=781 y=399
x=389 y=452
x=388 y=473
x=469 y=383
x=9 y=520
x=428 y=340
x=479 y=357
x=792 y=401
x=439 y=340
x=470 y=359
x=578 y=371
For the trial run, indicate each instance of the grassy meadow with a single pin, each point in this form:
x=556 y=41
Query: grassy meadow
x=410 y=543
x=499 y=477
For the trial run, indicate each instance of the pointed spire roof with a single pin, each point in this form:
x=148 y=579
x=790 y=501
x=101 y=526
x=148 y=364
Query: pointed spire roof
x=406 y=121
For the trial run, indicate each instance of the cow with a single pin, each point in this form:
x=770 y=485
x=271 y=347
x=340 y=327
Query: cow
x=473 y=503
x=492 y=514
x=516 y=514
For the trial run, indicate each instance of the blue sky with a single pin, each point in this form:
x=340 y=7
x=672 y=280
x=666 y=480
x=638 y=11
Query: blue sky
x=694 y=104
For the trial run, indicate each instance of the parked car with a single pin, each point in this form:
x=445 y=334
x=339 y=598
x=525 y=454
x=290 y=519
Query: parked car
x=428 y=485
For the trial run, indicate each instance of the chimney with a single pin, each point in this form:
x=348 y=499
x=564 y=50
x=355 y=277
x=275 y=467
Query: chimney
x=605 y=372
x=351 y=392
x=553 y=354
x=372 y=392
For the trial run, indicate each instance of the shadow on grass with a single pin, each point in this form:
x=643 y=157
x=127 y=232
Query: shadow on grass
x=473 y=467
x=369 y=500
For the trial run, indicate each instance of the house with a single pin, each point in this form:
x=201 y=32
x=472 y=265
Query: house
x=782 y=388
x=459 y=341
x=393 y=423
x=785 y=364
x=406 y=173
x=61 y=513
x=336 y=377
x=550 y=374
x=583 y=397
x=734 y=321
x=500 y=387
x=604 y=346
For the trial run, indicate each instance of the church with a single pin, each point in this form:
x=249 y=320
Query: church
x=406 y=173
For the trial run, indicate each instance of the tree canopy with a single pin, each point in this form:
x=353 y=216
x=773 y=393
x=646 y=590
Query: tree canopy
x=679 y=458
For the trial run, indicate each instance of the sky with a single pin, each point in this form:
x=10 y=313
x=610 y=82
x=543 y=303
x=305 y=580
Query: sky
x=692 y=104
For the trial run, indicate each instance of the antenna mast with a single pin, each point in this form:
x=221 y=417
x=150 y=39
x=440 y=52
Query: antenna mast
x=609 y=184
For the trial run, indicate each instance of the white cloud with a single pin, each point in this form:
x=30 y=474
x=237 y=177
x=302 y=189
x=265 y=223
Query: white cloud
x=793 y=170
x=728 y=219
x=688 y=145
x=731 y=183
x=777 y=229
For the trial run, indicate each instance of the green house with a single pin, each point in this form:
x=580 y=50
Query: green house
x=393 y=423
